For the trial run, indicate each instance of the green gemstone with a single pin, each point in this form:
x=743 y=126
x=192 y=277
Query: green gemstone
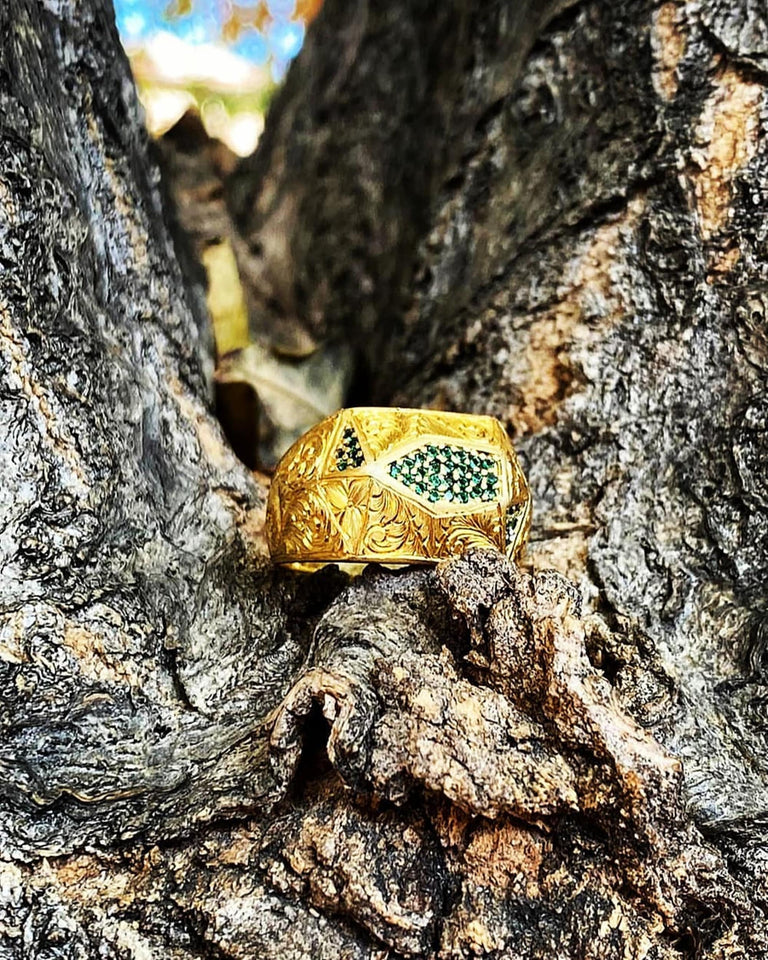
x=440 y=472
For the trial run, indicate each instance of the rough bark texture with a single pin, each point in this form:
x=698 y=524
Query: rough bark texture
x=550 y=213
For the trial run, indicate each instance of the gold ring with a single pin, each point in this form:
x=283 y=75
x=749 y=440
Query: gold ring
x=393 y=485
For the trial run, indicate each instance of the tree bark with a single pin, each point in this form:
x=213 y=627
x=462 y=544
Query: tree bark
x=548 y=212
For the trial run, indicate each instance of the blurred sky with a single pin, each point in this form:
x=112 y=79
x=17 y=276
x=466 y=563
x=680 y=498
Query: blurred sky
x=225 y=22
x=220 y=57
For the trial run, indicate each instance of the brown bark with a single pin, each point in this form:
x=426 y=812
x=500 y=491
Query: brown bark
x=549 y=213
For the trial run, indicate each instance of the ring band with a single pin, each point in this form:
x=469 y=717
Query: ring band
x=393 y=485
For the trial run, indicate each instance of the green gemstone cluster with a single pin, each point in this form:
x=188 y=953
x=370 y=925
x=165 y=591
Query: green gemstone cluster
x=442 y=472
x=350 y=453
x=514 y=513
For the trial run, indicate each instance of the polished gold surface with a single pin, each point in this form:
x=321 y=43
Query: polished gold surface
x=393 y=485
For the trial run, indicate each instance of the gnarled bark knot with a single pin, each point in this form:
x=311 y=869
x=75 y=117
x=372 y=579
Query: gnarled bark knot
x=495 y=721
x=504 y=723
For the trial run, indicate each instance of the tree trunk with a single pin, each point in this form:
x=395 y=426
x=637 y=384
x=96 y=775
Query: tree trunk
x=547 y=212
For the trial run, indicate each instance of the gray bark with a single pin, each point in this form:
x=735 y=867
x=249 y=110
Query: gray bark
x=552 y=213
x=125 y=564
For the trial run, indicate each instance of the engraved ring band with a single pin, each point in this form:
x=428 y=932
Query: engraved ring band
x=394 y=485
